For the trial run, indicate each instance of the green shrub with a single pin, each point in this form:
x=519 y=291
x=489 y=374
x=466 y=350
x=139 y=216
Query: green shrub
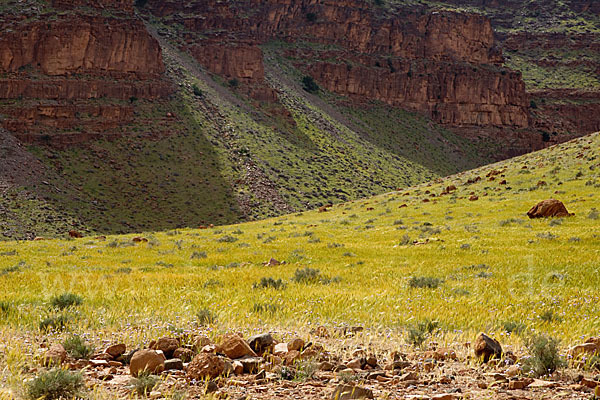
x=55 y=384
x=66 y=300
x=311 y=17
x=54 y=323
x=5 y=307
x=513 y=327
x=267 y=308
x=77 y=347
x=197 y=91
x=309 y=84
x=544 y=357
x=227 y=239
x=266 y=283
x=311 y=275
x=420 y=332
x=206 y=317
x=233 y=83
x=424 y=282
x=144 y=384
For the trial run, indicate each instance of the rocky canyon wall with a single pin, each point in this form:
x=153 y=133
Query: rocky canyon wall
x=443 y=63
x=68 y=76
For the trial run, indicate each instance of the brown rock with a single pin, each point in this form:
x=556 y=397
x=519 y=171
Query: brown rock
x=238 y=367
x=349 y=392
x=55 y=355
x=357 y=363
x=116 y=350
x=200 y=341
x=280 y=349
x=516 y=385
x=473 y=198
x=295 y=344
x=147 y=360
x=186 y=355
x=261 y=343
x=548 y=208
x=167 y=345
x=291 y=357
x=174 y=364
x=485 y=347
x=204 y=366
x=251 y=365
x=75 y=234
x=236 y=347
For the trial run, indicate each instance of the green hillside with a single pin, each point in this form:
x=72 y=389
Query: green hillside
x=382 y=262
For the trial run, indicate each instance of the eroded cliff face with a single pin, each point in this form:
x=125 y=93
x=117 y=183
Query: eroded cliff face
x=442 y=63
x=69 y=76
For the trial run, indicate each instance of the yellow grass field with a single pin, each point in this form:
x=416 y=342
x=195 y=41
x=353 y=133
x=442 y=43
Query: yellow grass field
x=495 y=266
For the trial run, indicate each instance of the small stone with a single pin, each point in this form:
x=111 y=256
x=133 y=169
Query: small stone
x=238 y=368
x=445 y=396
x=261 y=343
x=513 y=370
x=185 y=355
x=251 y=364
x=280 y=349
x=200 y=341
x=174 y=364
x=349 y=392
x=167 y=345
x=291 y=357
x=116 y=350
x=372 y=361
x=55 y=355
x=151 y=361
x=357 y=363
x=295 y=344
x=326 y=366
x=205 y=365
x=485 y=347
x=236 y=347
x=517 y=385
x=409 y=376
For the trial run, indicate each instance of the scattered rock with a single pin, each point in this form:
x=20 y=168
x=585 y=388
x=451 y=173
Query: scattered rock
x=251 y=365
x=295 y=344
x=116 y=350
x=485 y=347
x=205 y=365
x=167 y=345
x=261 y=343
x=75 y=234
x=348 y=392
x=548 y=208
x=280 y=349
x=55 y=355
x=473 y=198
x=174 y=364
x=273 y=263
x=185 y=355
x=236 y=347
x=147 y=360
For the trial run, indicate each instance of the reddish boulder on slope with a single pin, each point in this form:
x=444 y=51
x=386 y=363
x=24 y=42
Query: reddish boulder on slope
x=548 y=208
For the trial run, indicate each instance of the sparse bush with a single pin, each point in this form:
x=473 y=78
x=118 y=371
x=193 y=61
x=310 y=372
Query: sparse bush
x=227 y=239
x=420 y=332
x=405 y=240
x=5 y=307
x=544 y=357
x=66 y=300
x=267 y=308
x=56 y=323
x=144 y=384
x=594 y=214
x=309 y=84
x=198 y=254
x=266 y=283
x=311 y=17
x=513 y=327
x=77 y=347
x=307 y=275
x=55 y=384
x=124 y=270
x=233 y=83
x=424 y=282
x=206 y=317
x=550 y=316
x=197 y=91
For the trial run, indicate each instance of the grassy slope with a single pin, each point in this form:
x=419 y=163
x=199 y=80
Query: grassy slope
x=197 y=175
x=496 y=265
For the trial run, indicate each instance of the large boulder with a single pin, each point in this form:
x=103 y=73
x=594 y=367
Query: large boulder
x=150 y=361
x=548 y=208
x=205 y=365
x=485 y=347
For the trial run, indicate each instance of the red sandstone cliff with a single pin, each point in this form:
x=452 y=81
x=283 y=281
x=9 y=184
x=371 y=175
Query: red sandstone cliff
x=445 y=64
x=55 y=64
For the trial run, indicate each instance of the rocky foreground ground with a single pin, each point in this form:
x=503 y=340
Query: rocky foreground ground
x=330 y=365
